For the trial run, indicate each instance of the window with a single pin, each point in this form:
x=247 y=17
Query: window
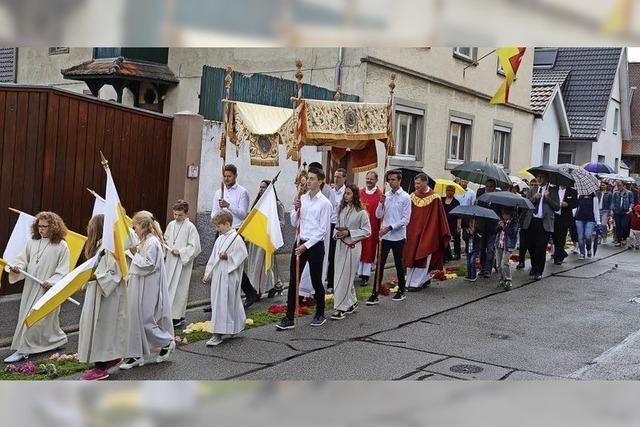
x=500 y=70
x=545 y=57
x=546 y=153
x=58 y=50
x=466 y=53
x=500 y=146
x=601 y=159
x=459 y=139
x=565 y=158
x=409 y=125
x=7 y=65
x=616 y=118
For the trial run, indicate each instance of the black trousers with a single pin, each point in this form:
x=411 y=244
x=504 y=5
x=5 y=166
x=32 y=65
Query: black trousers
x=560 y=230
x=537 y=238
x=248 y=289
x=524 y=246
x=332 y=255
x=315 y=257
x=397 y=247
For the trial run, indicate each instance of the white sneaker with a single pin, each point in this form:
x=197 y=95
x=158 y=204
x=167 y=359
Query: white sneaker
x=164 y=357
x=215 y=340
x=16 y=357
x=132 y=362
x=581 y=257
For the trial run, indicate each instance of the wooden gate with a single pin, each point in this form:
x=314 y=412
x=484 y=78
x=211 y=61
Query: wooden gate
x=50 y=140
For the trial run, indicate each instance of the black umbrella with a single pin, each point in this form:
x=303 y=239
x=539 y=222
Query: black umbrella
x=474 y=211
x=557 y=176
x=506 y=198
x=479 y=172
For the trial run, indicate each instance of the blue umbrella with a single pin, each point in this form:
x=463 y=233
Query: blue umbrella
x=597 y=167
x=474 y=211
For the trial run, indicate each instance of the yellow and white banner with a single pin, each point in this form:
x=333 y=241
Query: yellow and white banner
x=262 y=226
x=116 y=231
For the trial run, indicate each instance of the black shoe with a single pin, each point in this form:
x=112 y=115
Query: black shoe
x=520 y=266
x=399 y=296
x=207 y=309
x=373 y=300
x=425 y=284
x=364 y=281
x=413 y=289
x=351 y=309
x=532 y=272
x=285 y=324
x=249 y=302
x=339 y=315
x=318 y=321
x=537 y=277
x=178 y=323
x=272 y=293
x=557 y=263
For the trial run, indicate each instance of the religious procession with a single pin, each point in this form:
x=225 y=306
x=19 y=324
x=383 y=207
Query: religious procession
x=480 y=223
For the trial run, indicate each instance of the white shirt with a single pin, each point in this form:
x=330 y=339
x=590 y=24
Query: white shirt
x=315 y=216
x=468 y=198
x=540 y=214
x=397 y=212
x=238 y=198
x=338 y=195
x=561 y=192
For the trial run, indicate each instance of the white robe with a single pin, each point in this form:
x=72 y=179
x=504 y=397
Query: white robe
x=306 y=287
x=104 y=322
x=148 y=298
x=347 y=258
x=186 y=239
x=418 y=276
x=227 y=311
x=53 y=265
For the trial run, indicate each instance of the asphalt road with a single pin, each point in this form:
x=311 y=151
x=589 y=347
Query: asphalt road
x=575 y=323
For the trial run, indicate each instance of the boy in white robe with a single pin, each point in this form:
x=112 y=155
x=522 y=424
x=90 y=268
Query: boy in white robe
x=183 y=239
x=224 y=269
x=45 y=257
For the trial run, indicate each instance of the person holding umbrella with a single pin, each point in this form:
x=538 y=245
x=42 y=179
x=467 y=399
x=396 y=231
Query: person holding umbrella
x=540 y=225
x=450 y=203
x=604 y=202
x=587 y=216
x=488 y=231
x=562 y=223
x=506 y=239
x=620 y=208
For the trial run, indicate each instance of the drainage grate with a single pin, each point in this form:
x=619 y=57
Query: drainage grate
x=500 y=336
x=466 y=369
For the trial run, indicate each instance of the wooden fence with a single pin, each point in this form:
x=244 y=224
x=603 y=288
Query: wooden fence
x=50 y=140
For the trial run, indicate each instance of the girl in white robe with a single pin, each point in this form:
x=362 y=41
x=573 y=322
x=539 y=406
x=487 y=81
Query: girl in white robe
x=104 y=322
x=224 y=269
x=45 y=257
x=183 y=239
x=148 y=296
x=352 y=226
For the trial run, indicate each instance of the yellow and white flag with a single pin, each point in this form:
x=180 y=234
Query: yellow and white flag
x=99 y=206
x=63 y=289
x=20 y=235
x=75 y=242
x=262 y=227
x=116 y=231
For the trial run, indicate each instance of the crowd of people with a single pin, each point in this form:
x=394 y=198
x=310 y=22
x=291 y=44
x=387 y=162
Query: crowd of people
x=346 y=234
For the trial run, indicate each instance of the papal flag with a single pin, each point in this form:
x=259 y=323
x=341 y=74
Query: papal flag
x=63 y=289
x=20 y=235
x=510 y=59
x=115 y=231
x=262 y=226
x=100 y=206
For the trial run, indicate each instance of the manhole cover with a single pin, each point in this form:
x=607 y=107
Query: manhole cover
x=466 y=369
x=500 y=336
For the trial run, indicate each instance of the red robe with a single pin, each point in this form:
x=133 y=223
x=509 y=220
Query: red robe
x=369 y=245
x=427 y=233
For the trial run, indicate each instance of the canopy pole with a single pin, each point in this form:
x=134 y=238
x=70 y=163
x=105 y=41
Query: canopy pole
x=390 y=141
x=296 y=103
x=228 y=80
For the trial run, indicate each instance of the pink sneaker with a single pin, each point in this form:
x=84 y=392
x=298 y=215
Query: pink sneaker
x=95 y=374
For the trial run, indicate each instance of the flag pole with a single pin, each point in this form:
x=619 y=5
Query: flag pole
x=296 y=103
x=228 y=80
x=377 y=281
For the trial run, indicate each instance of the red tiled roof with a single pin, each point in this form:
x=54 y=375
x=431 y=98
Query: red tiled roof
x=120 y=67
x=540 y=97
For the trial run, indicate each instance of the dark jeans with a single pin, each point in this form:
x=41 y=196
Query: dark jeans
x=397 y=247
x=622 y=226
x=523 y=246
x=314 y=256
x=455 y=234
x=332 y=255
x=248 y=289
x=487 y=251
x=560 y=229
x=537 y=238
